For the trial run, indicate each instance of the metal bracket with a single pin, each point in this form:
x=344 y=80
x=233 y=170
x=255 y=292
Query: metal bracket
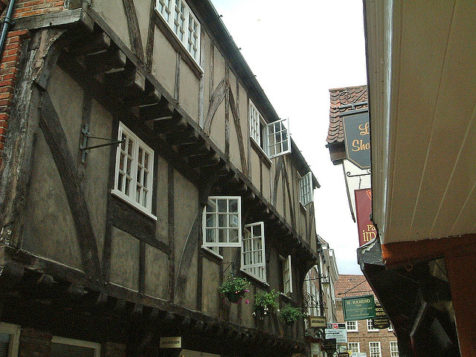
x=348 y=174
x=84 y=145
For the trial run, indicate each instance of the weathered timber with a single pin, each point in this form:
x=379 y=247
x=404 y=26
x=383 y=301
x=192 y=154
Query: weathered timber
x=57 y=142
x=95 y=43
x=111 y=60
x=183 y=137
x=177 y=77
x=171 y=230
x=239 y=133
x=38 y=56
x=64 y=18
x=133 y=27
x=149 y=48
x=227 y=111
x=217 y=98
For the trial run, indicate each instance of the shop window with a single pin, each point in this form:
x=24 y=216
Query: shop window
x=134 y=171
x=352 y=326
x=253 y=259
x=67 y=347
x=374 y=349
x=9 y=338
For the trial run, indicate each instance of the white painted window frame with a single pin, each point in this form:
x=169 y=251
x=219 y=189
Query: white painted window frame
x=356 y=329
x=306 y=190
x=370 y=328
x=14 y=332
x=355 y=344
x=131 y=198
x=262 y=139
x=271 y=133
x=216 y=227
x=79 y=343
x=260 y=266
x=394 y=352
x=187 y=16
x=287 y=274
x=371 y=354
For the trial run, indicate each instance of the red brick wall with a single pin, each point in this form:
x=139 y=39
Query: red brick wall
x=8 y=73
x=24 y=8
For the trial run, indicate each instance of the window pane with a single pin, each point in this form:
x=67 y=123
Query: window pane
x=211 y=235
x=222 y=206
x=4 y=344
x=234 y=235
x=222 y=221
x=222 y=235
x=211 y=220
x=233 y=220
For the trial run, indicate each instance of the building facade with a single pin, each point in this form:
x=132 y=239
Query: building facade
x=142 y=164
x=422 y=86
x=362 y=337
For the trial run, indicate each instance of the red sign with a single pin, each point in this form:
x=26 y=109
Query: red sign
x=363 y=208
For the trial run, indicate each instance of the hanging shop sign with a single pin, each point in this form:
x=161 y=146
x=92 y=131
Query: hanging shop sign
x=381 y=320
x=357 y=139
x=358 y=308
x=317 y=321
x=363 y=207
x=330 y=345
x=339 y=334
x=171 y=342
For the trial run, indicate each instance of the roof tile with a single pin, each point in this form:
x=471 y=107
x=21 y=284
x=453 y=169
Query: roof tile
x=340 y=97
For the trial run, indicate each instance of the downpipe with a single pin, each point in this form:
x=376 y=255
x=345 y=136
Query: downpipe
x=6 y=26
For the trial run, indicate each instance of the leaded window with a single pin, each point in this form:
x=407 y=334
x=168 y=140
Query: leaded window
x=306 y=191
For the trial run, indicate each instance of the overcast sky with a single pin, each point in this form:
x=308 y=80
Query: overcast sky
x=298 y=53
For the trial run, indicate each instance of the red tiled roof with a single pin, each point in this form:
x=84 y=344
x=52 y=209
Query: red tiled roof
x=341 y=97
x=352 y=285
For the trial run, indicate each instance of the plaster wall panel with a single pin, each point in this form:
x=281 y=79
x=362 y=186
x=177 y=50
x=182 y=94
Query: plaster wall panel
x=210 y=281
x=156 y=273
x=112 y=11
x=61 y=89
x=205 y=55
x=218 y=67
x=217 y=129
x=189 y=90
x=97 y=172
x=164 y=61
x=255 y=168
x=267 y=182
x=162 y=226
x=124 y=260
x=49 y=227
x=143 y=17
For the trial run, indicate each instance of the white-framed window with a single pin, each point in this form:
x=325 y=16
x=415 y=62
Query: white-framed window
x=394 y=349
x=61 y=347
x=353 y=346
x=221 y=222
x=287 y=274
x=183 y=23
x=306 y=191
x=9 y=339
x=352 y=326
x=134 y=171
x=374 y=349
x=390 y=328
x=272 y=138
x=253 y=258
x=370 y=326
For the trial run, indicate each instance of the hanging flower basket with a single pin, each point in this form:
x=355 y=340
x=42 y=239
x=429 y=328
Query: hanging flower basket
x=290 y=314
x=234 y=288
x=265 y=304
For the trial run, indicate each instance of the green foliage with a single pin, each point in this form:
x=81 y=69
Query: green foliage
x=290 y=314
x=234 y=287
x=266 y=301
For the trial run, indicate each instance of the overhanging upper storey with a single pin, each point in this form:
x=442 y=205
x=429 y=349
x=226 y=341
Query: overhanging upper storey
x=422 y=85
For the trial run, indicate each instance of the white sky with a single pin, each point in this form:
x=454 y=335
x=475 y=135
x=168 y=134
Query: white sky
x=296 y=60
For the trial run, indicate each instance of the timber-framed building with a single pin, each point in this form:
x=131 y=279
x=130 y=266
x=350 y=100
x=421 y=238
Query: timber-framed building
x=141 y=163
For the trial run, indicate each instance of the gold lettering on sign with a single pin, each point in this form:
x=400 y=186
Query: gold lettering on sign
x=369 y=234
x=364 y=128
x=359 y=145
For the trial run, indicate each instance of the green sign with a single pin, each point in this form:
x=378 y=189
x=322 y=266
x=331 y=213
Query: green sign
x=357 y=139
x=358 y=308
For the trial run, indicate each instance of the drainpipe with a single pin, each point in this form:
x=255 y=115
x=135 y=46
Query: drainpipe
x=6 y=25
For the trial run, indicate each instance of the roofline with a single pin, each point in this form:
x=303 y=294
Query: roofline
x=348 y=87
x=216 y=25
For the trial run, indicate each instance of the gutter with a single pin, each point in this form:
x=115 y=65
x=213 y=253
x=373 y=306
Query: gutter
x=7 y=22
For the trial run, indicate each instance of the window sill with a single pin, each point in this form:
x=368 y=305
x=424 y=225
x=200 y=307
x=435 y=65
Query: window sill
x=177 y=45
x=212 y=254
x=136 y=206
x=286 y=297
x=261 y=153
x=254 y=278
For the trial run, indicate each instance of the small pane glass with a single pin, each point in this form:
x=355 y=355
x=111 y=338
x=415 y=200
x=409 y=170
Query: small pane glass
x=222 y=235
x=222 y=205
x=222 y=221
x=233 y=235
x=210 y=235
x=233 y=220
x=211 y=220
x=233 y=204
x=211 y=206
